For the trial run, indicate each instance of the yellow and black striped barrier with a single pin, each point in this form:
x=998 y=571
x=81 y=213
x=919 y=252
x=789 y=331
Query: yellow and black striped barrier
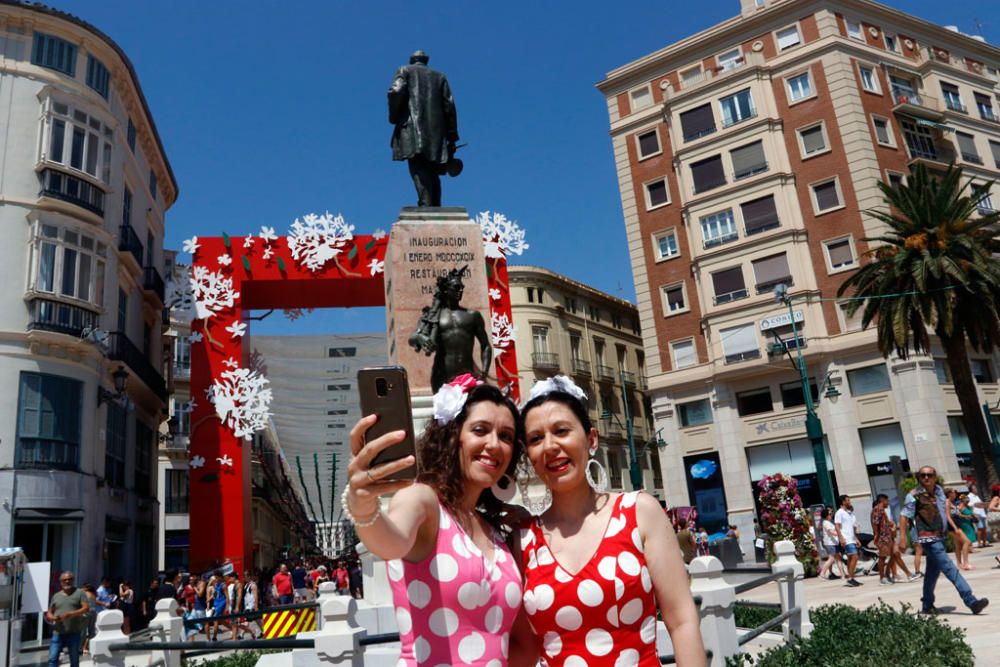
x=288 y=622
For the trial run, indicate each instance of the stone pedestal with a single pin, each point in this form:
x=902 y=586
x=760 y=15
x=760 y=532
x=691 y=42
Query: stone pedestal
x=424 y=244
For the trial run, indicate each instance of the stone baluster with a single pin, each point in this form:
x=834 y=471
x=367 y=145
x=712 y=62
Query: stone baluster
x=793 y=590
x=109 y=631
x=171 y=627
x=338 y=642
x=718 y=624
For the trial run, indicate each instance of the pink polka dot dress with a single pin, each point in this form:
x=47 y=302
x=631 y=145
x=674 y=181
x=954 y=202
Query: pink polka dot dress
x=456 y=607
x=603 y=615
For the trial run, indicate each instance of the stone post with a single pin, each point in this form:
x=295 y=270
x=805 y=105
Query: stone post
x=172 y=630
x=327 y=591
x=718 y=624
x=109 y=631
x=792 y=588
x=338 y=642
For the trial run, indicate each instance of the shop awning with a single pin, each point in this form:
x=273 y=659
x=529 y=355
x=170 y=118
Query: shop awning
x=933 y=124
x=51 y=514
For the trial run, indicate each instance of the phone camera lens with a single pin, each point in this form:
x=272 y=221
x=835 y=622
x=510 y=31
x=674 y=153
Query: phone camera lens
x=381 y=386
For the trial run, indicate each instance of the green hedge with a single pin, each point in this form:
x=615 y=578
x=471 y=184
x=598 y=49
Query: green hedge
x=246 y=658
x=878 y=636
x=750 y=615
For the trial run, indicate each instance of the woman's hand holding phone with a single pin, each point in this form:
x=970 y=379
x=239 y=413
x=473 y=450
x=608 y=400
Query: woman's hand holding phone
x=365 y=482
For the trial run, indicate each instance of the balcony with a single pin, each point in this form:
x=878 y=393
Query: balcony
x=58 y=317
x=918 y=106
x=128 y=241
x=120 y=348
x=47 y=454
x=643 y=383
x=987 y=113
x=581 y=367
x=729 y=122
x=152 y=282
x=545 y=360
x=955 y=105
x=178 y=442
x=742 y=356
x=752 y=170
x=182 y=369
x=728 y=297
x=71 y=189
x=768 y=287
x=605 y=373
x=786 y=345
x=720 y=240
x=629 y=378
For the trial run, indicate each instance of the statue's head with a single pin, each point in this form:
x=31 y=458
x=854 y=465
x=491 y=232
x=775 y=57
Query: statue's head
x=419 y=56
x=451 y=286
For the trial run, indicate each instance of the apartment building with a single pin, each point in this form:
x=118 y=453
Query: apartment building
x=566 y=327
x=746 y=156
x=85 y=185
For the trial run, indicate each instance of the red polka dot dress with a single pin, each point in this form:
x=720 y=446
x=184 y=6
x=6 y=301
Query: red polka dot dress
x=603 y=615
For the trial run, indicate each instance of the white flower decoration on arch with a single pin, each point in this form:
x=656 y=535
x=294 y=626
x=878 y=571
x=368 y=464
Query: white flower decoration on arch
x=224 y=260
x=225 y=460
x=503 y=331
x=315 y=239
x=242 y=401
x=501 y=237
x=267 y=234
x=196 y=462
x=376 y=266
x=212 y=292
x=191 y=246
x=237 y=329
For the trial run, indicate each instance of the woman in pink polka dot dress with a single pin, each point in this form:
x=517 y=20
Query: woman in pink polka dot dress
x=455 y=584
x=597 y=565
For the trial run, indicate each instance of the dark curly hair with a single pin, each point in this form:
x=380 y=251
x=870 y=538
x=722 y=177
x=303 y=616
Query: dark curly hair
x=440 y=466
x=573 y=403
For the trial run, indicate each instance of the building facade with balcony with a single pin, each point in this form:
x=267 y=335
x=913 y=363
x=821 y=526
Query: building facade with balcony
x=566 y=327
x=746 y=155
x=85 y=187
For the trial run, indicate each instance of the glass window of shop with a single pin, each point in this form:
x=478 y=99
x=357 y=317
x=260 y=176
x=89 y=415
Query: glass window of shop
x=963 y=447
x=793 y=458
x=880 y=444
x=706 y=490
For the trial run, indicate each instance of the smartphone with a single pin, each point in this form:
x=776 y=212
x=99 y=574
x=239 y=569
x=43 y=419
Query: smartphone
x=385 y=391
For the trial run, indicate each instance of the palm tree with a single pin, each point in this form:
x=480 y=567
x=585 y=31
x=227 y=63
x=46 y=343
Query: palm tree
x=933 y=270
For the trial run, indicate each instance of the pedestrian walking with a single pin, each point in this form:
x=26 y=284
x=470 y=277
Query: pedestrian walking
x=299 y=576
x=846 y=524
x=831 y=544
x=980 y=516
x=67 y=613
x=91 y=631
x=356 y=580
x=282 y=585
x=126 y=602
x=883 y=537
x=962 y=543
x=341 y=578
x=926 y=507
x=106 y=599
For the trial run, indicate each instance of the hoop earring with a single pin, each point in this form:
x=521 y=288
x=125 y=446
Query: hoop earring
x=504 y=494
x=601 y=484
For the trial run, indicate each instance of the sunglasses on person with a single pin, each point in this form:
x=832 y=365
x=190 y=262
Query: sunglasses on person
x=66 y=580
x=926 y=474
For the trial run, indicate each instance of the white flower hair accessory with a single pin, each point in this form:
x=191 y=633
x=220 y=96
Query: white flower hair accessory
x=450 y=398
x=557 y=383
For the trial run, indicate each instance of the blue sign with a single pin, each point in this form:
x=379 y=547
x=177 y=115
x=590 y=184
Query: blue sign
x=704 y=469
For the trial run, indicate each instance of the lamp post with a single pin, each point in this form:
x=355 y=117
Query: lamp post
x=814 y=427
x=634 y=471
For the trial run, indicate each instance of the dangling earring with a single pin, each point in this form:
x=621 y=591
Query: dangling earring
x=504 y=492
x=601 y=484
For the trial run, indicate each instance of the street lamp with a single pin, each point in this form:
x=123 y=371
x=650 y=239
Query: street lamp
x=120 y=378
x=634 y=471
x=814 y=428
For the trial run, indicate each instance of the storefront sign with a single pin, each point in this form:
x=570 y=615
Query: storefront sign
x=782 y=320
x=779 y=426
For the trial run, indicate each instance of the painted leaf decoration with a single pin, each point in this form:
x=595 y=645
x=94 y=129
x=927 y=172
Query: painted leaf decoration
x=281 y=265
x=225 y=239
x=246 y=263
x=353 y=253
x=489 y=271
x=370 y=245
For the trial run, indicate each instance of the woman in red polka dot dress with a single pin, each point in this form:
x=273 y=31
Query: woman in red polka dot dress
x=596 y=564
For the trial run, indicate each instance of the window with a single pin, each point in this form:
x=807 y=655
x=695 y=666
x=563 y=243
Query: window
x=854 y=30
x=673 y=299
x=995 y=151
x=641 y=98
x=48 y=421
x=571 y=305
x=868 y=380
x=984 y=203
x=839 y=254
x=152 y=184
x=175 y=492
x=98 y=76
x=666 y=245
x=182 y=355
x=942 y=371
x=122 y=310
x=594 y=312
x=919 y=140
x=799 y=87
x=967 y=146
x=895 y=179
x=985 y=107
x=759 y=215
x=883 y=133
x=891 y=43
x=68 y=263
x=697 y=122
x=718 y=228
x=771 y=271
x=792 y=395
x=754 y=402
x=143 y=460
x=115 y=446
x=531 y=294
x=708 y=174
x=982 y=371
x=574 y=346
x=616 y=320
x=130 y=136
x=729 y=285
x=540 y=339
x=869 y=80
x=740 y=343
x=952 y=98
x=683 y=353
x=342 y=352
x=695 y=413
x=182 y=418
x=787 y=37
x=54 y=53
x=748 y=160
x=690 y=77
x=126 y=206
x=849 y=322
x=649 y=144
x=736 y=108
x=656 y=193
x=614 y=468
x=812 y=140
x=730 y=59
x=826 y=196
x=338 y=387
x=79 y=141
x=541 y=295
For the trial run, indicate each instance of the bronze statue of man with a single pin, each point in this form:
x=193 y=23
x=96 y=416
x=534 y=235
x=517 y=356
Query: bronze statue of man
x=423 y=111
x=449 y=332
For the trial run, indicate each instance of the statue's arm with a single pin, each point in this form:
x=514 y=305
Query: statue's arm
x=398 y=98
x=450 y=113
x=485 y=348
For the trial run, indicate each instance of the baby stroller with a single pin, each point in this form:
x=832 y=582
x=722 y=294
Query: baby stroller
x=868 y=556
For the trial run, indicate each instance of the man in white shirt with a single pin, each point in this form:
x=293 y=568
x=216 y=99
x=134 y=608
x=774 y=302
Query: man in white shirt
x=979 y=514
x=846 y=524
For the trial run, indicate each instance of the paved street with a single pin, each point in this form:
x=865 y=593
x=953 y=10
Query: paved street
x=981 y=631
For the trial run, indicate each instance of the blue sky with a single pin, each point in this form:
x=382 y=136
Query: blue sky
x=272 y=110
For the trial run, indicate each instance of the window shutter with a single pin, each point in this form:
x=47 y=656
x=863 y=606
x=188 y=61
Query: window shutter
x=684 y=355
x=657 y=193
x=788 y=37
x=966 y=143
x=840 y=253
x=812 y=139
x=759 y=214
x=826 y=195
x=771 y=269
x=31 y=405
x=729 y=280
x=708 y=174
x=748 y=159
x=697 y=122
x=739 y=340
x=649 y=143
x=995 y=149
x=675 y=298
